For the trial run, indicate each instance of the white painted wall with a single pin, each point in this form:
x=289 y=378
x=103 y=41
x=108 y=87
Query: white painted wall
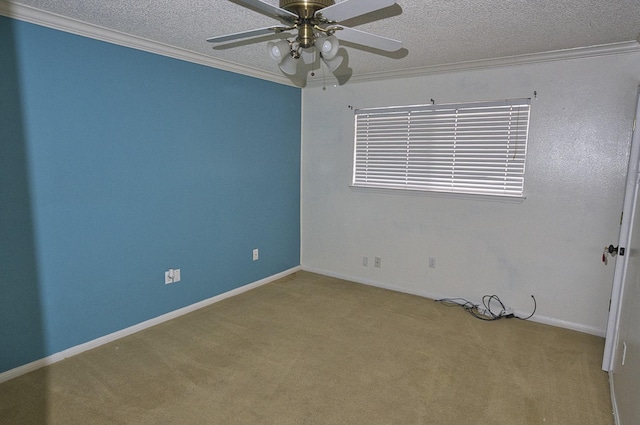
x=550 y=245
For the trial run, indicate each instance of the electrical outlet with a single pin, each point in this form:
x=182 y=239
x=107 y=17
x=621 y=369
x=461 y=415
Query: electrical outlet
x=432 y=262
x=256 y=254
x=171 y=276
x=377 y=262
x=365 y=261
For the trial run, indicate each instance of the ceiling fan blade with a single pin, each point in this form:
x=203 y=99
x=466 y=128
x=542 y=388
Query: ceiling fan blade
x=269 y=9
x=368 y=39
x=348 y=9
x=245 y=34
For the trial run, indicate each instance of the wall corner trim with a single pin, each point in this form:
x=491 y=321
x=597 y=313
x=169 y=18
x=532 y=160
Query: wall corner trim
x=49 y=360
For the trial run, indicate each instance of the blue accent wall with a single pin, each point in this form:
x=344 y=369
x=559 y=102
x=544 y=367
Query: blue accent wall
x=21 y=326
x=119 y=164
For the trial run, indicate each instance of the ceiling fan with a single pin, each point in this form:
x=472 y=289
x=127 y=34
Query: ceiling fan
x=318 y=29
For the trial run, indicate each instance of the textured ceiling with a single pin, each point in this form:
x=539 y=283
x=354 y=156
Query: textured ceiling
x=433 y=32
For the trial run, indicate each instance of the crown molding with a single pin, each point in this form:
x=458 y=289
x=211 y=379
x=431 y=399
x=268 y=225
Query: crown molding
x=62 y=23
x=551 y=56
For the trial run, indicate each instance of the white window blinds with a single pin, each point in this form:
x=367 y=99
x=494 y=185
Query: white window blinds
x=472 y=148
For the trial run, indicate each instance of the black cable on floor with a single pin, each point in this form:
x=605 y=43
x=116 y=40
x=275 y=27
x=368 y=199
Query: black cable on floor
x=473 y=309
x=535 y=306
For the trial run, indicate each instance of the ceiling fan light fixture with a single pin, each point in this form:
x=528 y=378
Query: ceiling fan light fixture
x=333 y=63
x=313 y=23
x=279 y=51
x=308 y=55
x=327 y=46
x=289 y=65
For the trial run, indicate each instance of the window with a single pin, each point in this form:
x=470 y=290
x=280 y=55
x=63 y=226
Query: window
x=470 y=148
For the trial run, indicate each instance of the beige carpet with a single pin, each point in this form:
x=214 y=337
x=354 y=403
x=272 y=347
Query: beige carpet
x=309 y=349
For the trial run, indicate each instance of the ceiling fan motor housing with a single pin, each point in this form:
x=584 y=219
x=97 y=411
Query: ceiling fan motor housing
x=305 y=9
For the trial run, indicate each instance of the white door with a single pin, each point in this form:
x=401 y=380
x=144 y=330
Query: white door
x=625 y=364
x=626 y=230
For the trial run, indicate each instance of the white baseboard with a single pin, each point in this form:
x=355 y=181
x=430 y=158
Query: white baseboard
x=567 y=325
x=536 y=318
x=54 y=358
x=614 y=403
x=370 y=282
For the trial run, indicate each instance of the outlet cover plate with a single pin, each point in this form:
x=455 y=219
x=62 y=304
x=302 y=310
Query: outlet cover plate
x=171 y=276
